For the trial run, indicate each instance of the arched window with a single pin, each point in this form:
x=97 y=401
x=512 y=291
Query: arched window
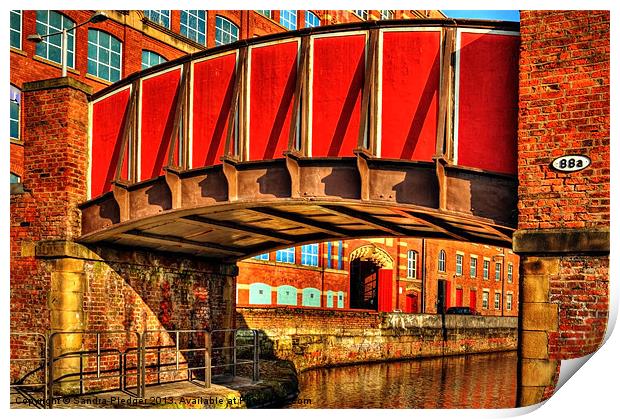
x=311 y=297
x=104 y=55
x=161 y=17
x=260 y=293
x=194 y=25
x=49 y=21
x=312 y=20
x=330 y=299
x=412 y=264
x=287 y=295
x=340 y=299
x=288 y=19
x=150 y=58
x=14 y=105
x=441 y=262
x=225 y=31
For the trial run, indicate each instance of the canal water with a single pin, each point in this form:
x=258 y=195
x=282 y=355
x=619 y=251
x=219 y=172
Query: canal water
x=482 y=381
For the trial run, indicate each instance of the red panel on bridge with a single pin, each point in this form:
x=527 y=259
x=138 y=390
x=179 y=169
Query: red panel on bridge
x=107 y=122
x=158 y=102
x=213 y=89
x=410 y=90
x=338 y=80
x=273 y=75
x=487 y=104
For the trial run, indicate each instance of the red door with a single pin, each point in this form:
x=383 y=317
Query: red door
x=385 y=290
x=412 y=303
x=472 y=299
x=459 y=297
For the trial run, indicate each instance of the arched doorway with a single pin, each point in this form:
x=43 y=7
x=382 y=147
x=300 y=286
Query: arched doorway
x=371 y=284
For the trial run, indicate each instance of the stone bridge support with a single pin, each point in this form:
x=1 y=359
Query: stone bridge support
x=563 y=234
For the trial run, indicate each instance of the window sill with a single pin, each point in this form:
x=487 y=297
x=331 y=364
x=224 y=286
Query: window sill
x=17 y=141
x=100 y=80
x=19 y=51
x=55 y=64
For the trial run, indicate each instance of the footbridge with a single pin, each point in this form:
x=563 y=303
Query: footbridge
x=403 y=128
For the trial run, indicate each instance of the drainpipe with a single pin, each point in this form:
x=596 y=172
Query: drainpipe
x=423 y=287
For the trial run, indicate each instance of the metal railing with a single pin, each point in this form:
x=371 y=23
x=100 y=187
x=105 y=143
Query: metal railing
x=128 y=360
x=28 y=382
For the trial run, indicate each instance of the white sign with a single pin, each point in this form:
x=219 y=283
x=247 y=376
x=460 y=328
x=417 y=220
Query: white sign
x=571 y=163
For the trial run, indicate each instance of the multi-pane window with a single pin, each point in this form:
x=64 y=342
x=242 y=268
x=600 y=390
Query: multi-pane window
x=14 y=104
x=329 y=255
x=104 y=55
x=288 y=19
x=312 y=20
x=459 y=265
x=16 y=29
x=194 y=25
x=225 y=31
x=496 y=304
x=159 y=16
x=498 y=271
x=387 y=14
x=485 y=269
x=441 y=262
x=473 y=267
x=485 y=300
x=286 y=255
x=509 y=274
x=362 y=14
x=310 y=254
x=266 y=13
x=50 y=48
x=509 y=302
x=150 y=58
x=340 y=255
x=412 y=264
x=264 y=256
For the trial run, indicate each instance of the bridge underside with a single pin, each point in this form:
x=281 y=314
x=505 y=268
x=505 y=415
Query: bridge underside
x=235 y=210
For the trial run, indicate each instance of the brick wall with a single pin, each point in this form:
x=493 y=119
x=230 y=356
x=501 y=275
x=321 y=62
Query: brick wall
x=316 y=338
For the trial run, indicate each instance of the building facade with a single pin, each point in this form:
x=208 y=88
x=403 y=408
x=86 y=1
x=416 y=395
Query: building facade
x=100 y=54
x=410 y=275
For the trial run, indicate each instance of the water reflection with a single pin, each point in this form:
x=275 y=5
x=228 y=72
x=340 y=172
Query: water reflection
x=471 y=381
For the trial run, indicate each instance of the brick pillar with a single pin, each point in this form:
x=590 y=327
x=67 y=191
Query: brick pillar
x=563 y=235
x=55 y=178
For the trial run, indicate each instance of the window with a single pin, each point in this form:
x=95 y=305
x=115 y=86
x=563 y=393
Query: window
x=266 y=13
x=15 y=178
x=310 y=254
x=412 y=264
x=441 y=262
x=330 y=299
x=510 y=272
x=150 y=58
x=459 y=265
x=340 y=299
x=485 y=269
x=50 y=48
x=312 y=20
x=225 y=31
x=260 y=293
x=16 y=29
x=498 y=271
x=194 y=25
x=362 y=14
x=387 y=14
x=473 y=267
x=311 y=297
x=161 y=17
x=264 y=256
x=509 y=302
x=485 y=300
x=340 y=258
x=286 y=255
x=104 y=55
x=288 y=19
x=287 y=295
x=496 y=304
x=329 y=263
x=15 y=104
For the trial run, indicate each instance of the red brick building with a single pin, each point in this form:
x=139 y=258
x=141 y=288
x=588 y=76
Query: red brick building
x=385 y=274
x=129 y=41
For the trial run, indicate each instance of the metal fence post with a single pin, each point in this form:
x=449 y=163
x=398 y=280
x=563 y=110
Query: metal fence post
x=50 y=371
x=234 y=349
x=207 y=359
x=141 y=377
x=256 y=369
